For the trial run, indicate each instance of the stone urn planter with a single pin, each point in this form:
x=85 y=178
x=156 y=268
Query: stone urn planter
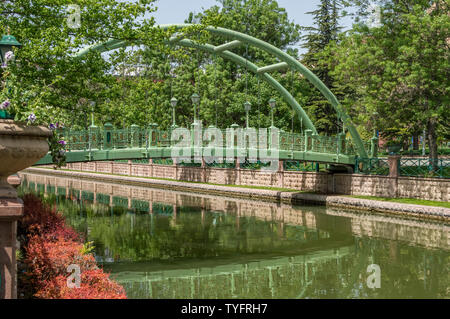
x=394 y=148
x=20 y=147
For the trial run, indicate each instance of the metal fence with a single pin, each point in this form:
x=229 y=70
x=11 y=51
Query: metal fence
x=425 y=167
x=414 y=167
x=372 y=166
x=135 y=137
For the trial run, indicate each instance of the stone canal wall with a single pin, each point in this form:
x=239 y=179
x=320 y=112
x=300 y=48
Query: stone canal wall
x=305 y=181
x=437 y=189
x=343 y=184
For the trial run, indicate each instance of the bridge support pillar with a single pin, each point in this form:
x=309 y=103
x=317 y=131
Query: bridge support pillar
x=203 y=167
x=175 y=165
x=281 y=172
x=394 y=173
x=394 y=165
x=280 y=166
x=238 y=164
x=238 y=171
x=10 y=211
x=150 y=167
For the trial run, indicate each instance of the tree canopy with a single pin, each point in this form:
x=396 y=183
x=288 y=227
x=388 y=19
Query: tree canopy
x=391 y=77
x=397 y=74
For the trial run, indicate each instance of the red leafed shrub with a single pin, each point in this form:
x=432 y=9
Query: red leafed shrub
x=48 y=259
x=50 y=247
x=95 y=284
x=43 y=221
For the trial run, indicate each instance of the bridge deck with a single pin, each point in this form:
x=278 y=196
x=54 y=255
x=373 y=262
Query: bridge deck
x=166 y=152
x=107 y=143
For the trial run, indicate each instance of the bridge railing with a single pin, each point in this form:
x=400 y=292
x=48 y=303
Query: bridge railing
x=105 y=138
x=425 y=167
x=372 y=166
x=76 y=140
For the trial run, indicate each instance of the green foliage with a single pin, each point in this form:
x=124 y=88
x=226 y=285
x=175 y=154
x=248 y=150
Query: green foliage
x=393 y=78
x=87 y=248
x=57 y=150
x=396 y=75
x=45 y=79
x=263 y=19
x=324 y=31
x=222 y=85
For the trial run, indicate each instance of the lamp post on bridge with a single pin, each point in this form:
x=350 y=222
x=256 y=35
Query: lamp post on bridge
x=92 y=112
x=92 y=129
x=248 y=107
x=273 y=104
x=6 y=45
x=374 y=121
x=374 y=140
x=174 y=103
x=195 y=98
x=424 y=139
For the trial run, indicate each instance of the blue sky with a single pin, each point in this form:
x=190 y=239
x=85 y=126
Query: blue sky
x=176 y=11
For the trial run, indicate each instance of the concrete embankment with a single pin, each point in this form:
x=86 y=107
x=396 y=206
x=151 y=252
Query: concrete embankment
x=428 y=212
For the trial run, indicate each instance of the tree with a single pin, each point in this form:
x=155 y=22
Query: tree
x=45 y=79
x=222 y=85
x=400 y=70
x=263 y=19
x=325 y=30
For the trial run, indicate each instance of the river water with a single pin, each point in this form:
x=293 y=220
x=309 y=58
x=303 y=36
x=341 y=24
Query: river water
x=170 y=244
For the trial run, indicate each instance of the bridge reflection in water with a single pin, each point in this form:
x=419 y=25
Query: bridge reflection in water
x=167 y=244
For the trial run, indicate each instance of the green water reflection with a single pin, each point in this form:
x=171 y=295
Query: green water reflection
x=190 y=251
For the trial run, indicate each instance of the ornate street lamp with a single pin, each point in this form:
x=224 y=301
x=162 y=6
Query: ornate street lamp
x=374 y=141
x=6 y=45
x=248 y=107
x=174 y=103
x=7 y=54
x=273 y=104
x=92 y=112
x=195 y=98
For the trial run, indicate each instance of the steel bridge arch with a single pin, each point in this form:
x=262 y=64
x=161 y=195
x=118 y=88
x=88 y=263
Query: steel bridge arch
x=239 y=39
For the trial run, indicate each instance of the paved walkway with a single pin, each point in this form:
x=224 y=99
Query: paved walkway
x=272 y=195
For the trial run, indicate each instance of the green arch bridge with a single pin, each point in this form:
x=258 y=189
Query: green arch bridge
x=108 y=143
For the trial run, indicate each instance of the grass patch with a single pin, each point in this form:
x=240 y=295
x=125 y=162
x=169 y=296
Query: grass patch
x=406 y=201
x=278 y=189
